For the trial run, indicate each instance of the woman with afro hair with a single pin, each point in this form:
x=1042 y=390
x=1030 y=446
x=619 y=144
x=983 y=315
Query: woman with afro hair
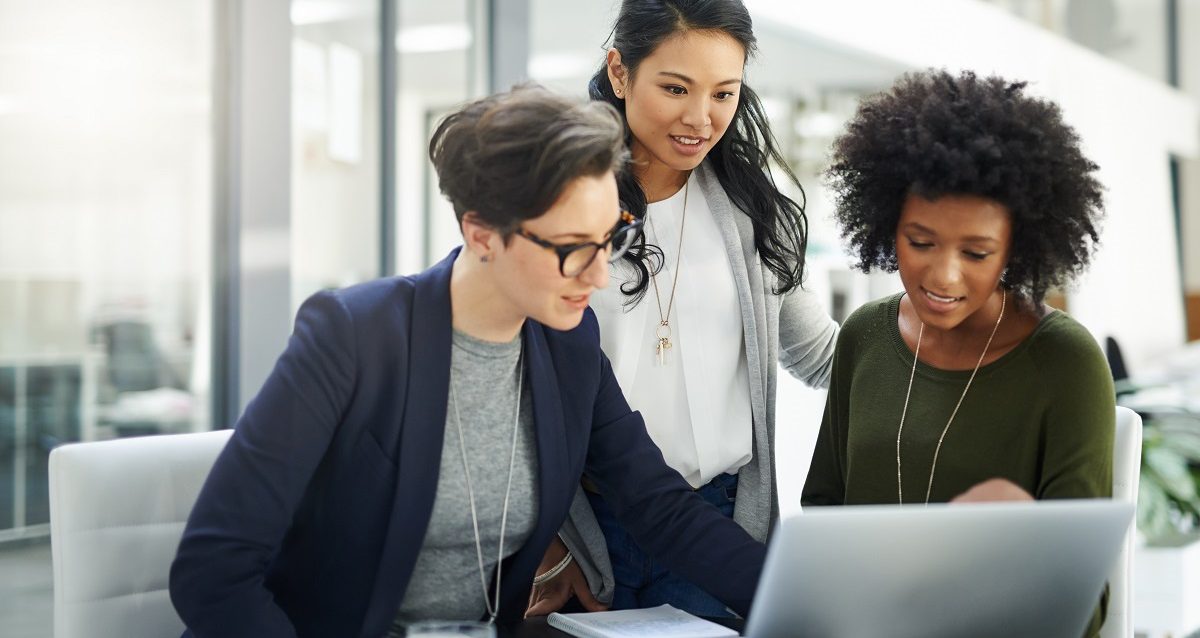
x=966 y=385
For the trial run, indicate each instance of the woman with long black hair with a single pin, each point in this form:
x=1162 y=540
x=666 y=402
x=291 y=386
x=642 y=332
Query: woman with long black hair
x=702 y=313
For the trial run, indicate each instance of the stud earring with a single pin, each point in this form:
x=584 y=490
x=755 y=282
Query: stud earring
x=484 y=259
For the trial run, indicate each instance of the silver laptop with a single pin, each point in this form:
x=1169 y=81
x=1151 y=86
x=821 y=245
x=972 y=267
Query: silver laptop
x=994 y=569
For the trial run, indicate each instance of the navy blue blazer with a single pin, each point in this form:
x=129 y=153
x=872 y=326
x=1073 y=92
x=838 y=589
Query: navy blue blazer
x=313 y=515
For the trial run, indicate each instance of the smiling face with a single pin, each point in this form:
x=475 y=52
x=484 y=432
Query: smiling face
x=681 y=99
x=527 y=275
x=951 y=253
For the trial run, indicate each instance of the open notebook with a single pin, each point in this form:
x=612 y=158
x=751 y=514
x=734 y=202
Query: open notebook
x=663 y=621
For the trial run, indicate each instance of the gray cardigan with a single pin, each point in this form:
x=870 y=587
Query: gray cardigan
x=792 y=330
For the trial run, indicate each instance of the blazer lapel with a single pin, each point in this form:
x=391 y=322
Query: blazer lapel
x=549 y=425
x=420 y=442
x=422 y=433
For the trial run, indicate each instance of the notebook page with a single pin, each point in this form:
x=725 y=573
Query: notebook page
x=664 y=621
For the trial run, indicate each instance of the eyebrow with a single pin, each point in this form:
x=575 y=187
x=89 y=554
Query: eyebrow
x=579 y=236
x=929 y=231
x=583 y=236
x=684 y=78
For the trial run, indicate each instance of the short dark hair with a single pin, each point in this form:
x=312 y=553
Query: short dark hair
x=741 y=159
x=935 y=134
x=507 y=157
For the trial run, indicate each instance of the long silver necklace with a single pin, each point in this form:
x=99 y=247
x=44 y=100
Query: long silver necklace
x=492 y=610
x=662 y=334
x=908 y=393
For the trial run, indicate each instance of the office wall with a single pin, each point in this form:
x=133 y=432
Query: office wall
x=1189 y=82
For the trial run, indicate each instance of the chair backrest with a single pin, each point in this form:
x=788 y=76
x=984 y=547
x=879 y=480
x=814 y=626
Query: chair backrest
x=117 y=512
x=1127 y=467
x=1116 y=360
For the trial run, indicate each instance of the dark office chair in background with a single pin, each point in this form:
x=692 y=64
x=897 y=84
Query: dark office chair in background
x=148 y=395
x=1127 y=389
x=1116 y=363
x=135 y=363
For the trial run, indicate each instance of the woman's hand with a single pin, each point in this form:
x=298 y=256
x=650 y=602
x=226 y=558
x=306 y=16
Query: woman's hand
x=996 y=489
x=552 y=594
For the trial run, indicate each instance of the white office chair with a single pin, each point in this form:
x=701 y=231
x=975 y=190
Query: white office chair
x=1127 y=467
x=117 y=511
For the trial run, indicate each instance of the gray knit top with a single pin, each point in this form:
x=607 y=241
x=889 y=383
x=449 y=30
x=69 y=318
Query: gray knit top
x=445 y=584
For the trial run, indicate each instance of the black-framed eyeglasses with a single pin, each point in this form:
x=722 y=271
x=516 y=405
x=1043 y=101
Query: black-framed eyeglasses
x=575 y=258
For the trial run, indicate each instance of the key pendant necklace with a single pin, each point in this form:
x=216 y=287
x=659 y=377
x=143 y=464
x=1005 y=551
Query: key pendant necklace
x=662 y=334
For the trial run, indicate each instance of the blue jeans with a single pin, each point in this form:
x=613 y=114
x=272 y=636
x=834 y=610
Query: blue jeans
x=642 y=581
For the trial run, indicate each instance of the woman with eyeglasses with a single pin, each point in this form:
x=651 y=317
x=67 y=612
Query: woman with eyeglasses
x=702 y=313
x=419 y=442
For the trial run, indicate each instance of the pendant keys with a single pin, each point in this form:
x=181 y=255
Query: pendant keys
x=663 y=334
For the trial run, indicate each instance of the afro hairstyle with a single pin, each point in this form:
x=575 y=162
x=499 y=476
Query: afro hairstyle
x=936 y=134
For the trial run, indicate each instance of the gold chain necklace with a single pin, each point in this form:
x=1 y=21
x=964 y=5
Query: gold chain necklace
x=908 y=393
x=662 y=334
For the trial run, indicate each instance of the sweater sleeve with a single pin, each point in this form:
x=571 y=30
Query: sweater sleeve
x=1080 y=420
x=826 y=481
x=585 y=540
x=807 y=336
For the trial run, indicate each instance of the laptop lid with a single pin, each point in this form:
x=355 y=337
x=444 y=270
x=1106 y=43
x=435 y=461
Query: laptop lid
x=991 y=569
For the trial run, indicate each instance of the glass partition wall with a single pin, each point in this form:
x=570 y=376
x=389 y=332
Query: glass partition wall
x=441 y=63
x=108 y=175
x=125 y=242
x=105 y=231
x=335 y=217
x=344 y=102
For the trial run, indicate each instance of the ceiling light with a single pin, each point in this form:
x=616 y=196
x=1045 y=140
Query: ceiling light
x=432 y=38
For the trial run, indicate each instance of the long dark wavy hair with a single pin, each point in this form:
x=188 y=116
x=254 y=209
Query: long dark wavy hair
x=740 y=159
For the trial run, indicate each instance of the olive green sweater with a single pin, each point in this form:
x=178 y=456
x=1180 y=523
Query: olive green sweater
x=1041 y=416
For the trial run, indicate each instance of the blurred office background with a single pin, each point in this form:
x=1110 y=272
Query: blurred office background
x=177 y=176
